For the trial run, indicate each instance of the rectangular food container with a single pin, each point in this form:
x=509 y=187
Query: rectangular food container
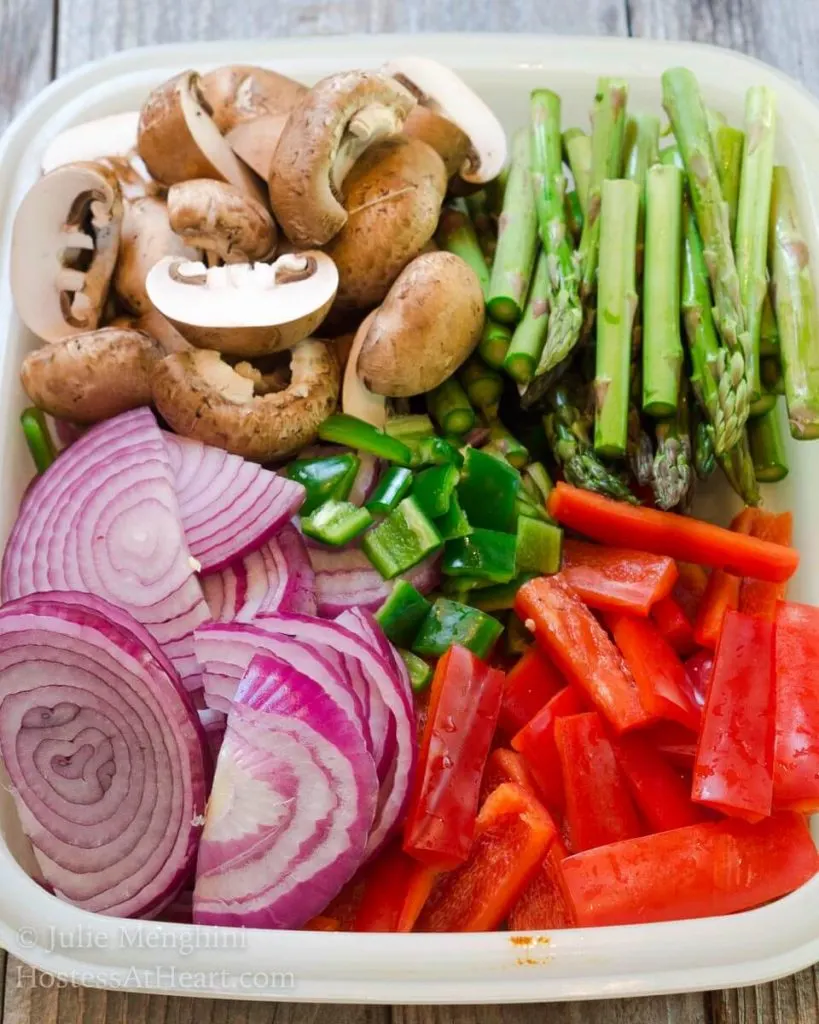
x=485 y=968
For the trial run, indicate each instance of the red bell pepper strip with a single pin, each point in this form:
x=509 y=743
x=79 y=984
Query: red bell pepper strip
x=545 y=903
x=676 y=743
x=715 y=868
x=463 y=712
x=756 y=597
x=669 y=617
x=536 y=742
x=385 y=891
x=689 y=588
x=512 y=837
x=506 y=766
x=733 y=771
x=323 y=924
x=722 y=592
x=599 y=809
x=698 y=669
x=420 y=886
x=661 y=794
x=581 y=649
x=617 y=579
x=796 y=750
x=530 y=683
x=667 y=533
x=658 y=672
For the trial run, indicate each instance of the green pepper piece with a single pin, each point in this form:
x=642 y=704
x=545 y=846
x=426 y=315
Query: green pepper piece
x=485 y=555
x=434 y=451
x=420 y=673
x=449 y=622
x=38 y=438
x=433 y=489
x=453 y=523
x=487 y=491
x=394 y=485
x=329 y=477
x=401 y=540
x=401 y=615
x=459 y=588
x=354 y=433
x=539 y=546
x=501 y=597
x=410 y=428
x=336 y=522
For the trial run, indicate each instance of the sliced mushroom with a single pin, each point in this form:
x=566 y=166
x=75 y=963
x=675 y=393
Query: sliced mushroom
x=63 y=250
x=438 y=87
x=356 y=397
x=92 y=376
x=393 y=197
x=242 y=92
x=111 y=136
x=221 y=219
x=202 y=397
x=245 y=310
x=146 y=237
x=429 y=324
x=178 y=140
x=155 y=324
x=446 y=138
x=255 y=142
x=326 y=132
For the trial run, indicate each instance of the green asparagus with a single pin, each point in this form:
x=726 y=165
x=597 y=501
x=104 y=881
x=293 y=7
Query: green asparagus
x=494 y=343
x=483 y=385
x=728 y=144
x=642 y=150
x=768 y=331
x=768 y=447
x=456 y=234
x=772 y=378
x=484 y=223
x=504 y=443
x=524 y=353
x=574 y=216
x=738 y=467
x=672 y=476
x=577 y=149
x=705 y=460
x=449 y=406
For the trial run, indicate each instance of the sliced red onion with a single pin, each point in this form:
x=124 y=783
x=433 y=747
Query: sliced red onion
x=104 y=519
x=105 y=754
x=213 y=725
x=292 y=804
x=180 y=909
x=346 y=578
x=366 y=478
x=229 y=506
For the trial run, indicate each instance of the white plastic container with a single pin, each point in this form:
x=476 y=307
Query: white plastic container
x=485 y=968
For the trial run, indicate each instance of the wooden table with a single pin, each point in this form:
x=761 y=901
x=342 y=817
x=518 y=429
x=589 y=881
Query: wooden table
x=43 y=38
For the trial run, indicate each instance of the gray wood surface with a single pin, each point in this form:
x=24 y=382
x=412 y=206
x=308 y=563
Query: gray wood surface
x=38 y=37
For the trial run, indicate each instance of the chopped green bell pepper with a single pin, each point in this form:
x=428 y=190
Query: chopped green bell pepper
x=448 y=623
x=401 y=540
x=449 y=406
x=487 y=491
x=336 y=522
x=538 y=546
x=501 y=597
x=38 y=438
x=410 y=427
x=434 y=451
x=329 y=477
x=394 y=485
x=420 y=673
x=484 y=555
x=354 y=433
x=453 y=523
x=433 y=489
x=401 y=615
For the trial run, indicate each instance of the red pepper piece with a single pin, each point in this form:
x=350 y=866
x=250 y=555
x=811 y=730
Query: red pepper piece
x=582 y=650
x=536 y=742
x=385 y=891
x=733 y=771
x=420 y=886
x=676 y=743
x=599 y=809
x=715 y=868
x=545 y=903
x=505 y=766
x=323 y=924
x=669 y=618
x=755 y=596
x=722 y=593
x=530 y=684
x=796 y=751
x=512 y=836
x=463 y=712
x=689 y=588
x=617 y=579
x=698 y=669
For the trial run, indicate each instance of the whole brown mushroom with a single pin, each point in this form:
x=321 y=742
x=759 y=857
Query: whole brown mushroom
x=239 y=93
x=446 y=138
x=222 y=220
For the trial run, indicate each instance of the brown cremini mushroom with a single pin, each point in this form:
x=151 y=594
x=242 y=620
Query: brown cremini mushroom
x=64 y=247
x=428 y=325
x=92 y=376
x=255 y=142
x=202 y=397
x=221 y=219
x=446 y=138
x=242 y=92
x=326 y=132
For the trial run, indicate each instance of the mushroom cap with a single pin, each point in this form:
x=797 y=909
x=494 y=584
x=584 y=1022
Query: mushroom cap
x=92 y=376
x=356 y=398
x=178 y=140
x=64 y=247
x=163 y=331
x=255 y=141
x=443 y=91
x=393 y=196
x=222 y=219
x=245 y=310
x=111 y=136
x=428 y=325
x=200 y=396
x=242 y=92
x=145 y=238
x=326 y=132
x=446 y=138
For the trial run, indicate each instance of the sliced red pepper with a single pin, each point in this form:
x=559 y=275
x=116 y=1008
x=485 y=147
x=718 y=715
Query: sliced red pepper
x=715 y=868
x=670 y=619
x=698 y=669
x=676 y=743
x=323 y=924
x=505 y=766
x=796 y=752
x=689 y=588
x=667 y=533
x=658 y=672
x=580 y=647
x=536 y=742
x=733 y=771
x=385 y=891
x=722 y=593
x=545 y=903
x=599 y=809
x=661 y=794
x=530 y=683
x=617 y=579
x=512 y=837
x=419 y=887
x=463 y=712
x=344 y=907
x=755 y=596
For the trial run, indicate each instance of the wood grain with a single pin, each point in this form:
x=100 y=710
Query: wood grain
x=688 y=1009
x=26 y=35
x=793 y=1000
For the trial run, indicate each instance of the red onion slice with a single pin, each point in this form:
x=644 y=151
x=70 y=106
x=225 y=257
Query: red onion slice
x=104 y=752
x=347 y=579
x=229 y=506
x=365 y=479
x=292 y=804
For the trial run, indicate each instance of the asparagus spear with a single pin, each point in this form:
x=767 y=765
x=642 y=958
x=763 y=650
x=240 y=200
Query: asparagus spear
x=672 y=476
x=577 y=148
x=768 y=447
x=768 y=331
x=728 y=144
x=617 y=300
x=642 y=150
x=483 y=385
x=496 y=192
x=640 y=449
x=738 y=467
x=752 y=220
x=772 y=379
x=504 y=443
x=795 y=307
x=517 y=239
x=485 y=227
x=494 y=343
x=530 y=334
x=449 y=407
x=574 y=216
x=705 y=461
x=456 y=234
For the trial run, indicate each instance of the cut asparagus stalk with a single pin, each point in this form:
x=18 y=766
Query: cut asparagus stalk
x=494 y=343
x=772 y=379
x=574 y=216
x=496 y=192
x=768 y=447
x=752 y=220
x=768 y=331
x=738 y=467
x=517 y=239
x=642 y=150
x=577 y=149
x=456 y=234
x=728 y=145
x=530 y=334
x=483 y=385
x=484 y=223
x=795 y=307
x=449 y=406
x=504 y=443
x=762 y=405
x=672 y=476
x=617 y=303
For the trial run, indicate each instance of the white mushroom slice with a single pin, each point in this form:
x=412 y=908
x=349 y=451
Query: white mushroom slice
x=63 y=250
x=112 y=136
x=245 y=309
x=438 y=87
x=356 y=398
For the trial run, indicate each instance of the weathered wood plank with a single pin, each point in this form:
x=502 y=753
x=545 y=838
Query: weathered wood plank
x=793 y=1000
x=26 y=38
x=688 y=1009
